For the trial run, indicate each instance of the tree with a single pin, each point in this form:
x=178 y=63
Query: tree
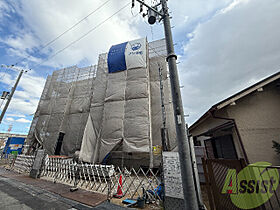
x=276 y=147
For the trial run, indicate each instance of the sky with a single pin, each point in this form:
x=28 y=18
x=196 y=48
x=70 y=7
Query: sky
x=223 y=46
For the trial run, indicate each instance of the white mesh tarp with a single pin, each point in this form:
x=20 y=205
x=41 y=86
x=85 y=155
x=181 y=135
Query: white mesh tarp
x=132 y=111
x=126 y=117
x=63 y=107
x=98 y=110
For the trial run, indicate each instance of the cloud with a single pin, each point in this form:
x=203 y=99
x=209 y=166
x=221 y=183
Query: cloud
x=195 y=10
x=30 y=25
x=27 y=94
x=23 y=41
x=39 y=17
x=4 y=10
x=233 y=5
x=187 y=14
x=231 y=51
x=10 y=119
x=23 y=120
x=15 y=115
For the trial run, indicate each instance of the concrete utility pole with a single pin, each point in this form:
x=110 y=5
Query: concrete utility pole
x=10 y=96
x=183 y=145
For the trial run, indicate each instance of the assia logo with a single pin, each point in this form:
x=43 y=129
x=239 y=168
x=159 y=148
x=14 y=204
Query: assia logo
x=136 y=46
x=252 y=186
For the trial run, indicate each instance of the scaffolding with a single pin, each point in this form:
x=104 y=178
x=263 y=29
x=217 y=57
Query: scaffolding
x=63 y=107
x=119 y=115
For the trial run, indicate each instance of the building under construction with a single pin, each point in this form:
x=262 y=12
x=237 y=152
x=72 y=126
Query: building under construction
x=113 y=112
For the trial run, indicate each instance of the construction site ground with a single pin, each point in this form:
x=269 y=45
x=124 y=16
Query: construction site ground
x=18 y=191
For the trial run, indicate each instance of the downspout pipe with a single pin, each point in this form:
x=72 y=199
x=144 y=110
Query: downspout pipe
x=212 y=113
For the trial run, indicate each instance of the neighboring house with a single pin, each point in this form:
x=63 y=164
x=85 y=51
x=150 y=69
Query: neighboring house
x=243 y=125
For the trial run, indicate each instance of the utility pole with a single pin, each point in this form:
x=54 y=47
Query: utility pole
x=10 y=96
x=190 y=198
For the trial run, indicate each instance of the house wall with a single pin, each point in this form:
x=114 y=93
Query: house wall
x=210 y=123
x=236 y=141
x=258 y=121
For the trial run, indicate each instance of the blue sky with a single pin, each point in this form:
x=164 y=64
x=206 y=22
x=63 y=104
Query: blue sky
x=223 y=46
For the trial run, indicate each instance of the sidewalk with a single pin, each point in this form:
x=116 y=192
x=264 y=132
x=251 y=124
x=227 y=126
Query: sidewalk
x=22 y=192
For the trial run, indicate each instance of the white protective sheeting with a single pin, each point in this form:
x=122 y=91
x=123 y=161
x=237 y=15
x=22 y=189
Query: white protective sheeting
x=125 y=106
x=131 y=107
x=89 y=141
x=64 y=107
x=96 y=113
x=100 y=111
x=136 y=54
x=126 y=117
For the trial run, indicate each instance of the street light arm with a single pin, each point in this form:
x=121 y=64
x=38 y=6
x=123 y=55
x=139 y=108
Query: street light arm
x=151 y=8
x=14 y=67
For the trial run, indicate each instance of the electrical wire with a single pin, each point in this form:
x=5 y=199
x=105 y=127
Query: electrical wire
x=152 y=32
x=84 y=35
x=132 y=13
x=4 y=73
x=69 y=29
x=162 y=56
x=2 y=103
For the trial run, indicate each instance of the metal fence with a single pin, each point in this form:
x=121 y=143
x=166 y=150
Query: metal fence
x=106 y=179
x=23 y=163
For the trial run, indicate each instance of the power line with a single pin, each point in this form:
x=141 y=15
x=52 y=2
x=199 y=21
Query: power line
x=84 y=35
x=4 y=73
x=157 y=52
x=69 y=29
x=2 y=103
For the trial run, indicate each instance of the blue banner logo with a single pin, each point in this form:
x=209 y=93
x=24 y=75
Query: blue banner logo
x=136 y=46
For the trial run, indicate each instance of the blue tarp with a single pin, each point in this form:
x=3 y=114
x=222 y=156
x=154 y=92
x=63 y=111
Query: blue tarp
x=116 y=58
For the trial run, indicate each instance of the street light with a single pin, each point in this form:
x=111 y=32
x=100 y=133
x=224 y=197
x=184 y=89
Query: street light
x=152 y=17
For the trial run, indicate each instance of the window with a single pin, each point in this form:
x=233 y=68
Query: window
x=221 y=147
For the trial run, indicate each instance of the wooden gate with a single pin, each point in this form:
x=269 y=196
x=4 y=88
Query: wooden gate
x=215 y=171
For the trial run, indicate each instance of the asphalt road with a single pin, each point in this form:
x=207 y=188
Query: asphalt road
x=16 y=195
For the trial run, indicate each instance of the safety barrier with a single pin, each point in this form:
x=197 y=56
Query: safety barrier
x=23 y=163
x=106 y=179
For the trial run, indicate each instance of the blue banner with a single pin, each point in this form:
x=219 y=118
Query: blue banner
x=116 y=58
